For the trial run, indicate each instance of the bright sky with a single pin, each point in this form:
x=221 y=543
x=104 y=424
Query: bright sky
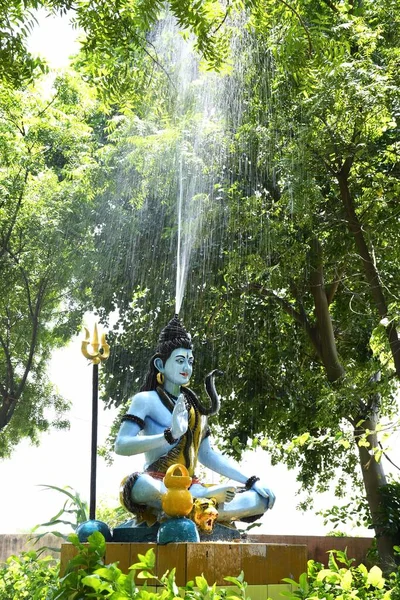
x=63 y=458
x=54 y=39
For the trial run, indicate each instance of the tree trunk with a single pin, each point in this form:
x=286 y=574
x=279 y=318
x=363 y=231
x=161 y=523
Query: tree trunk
x=374 y=477
x=370 y=270
x=329 y=356
x=322 y=337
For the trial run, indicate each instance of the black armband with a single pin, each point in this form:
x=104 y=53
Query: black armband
x=169 y=437
x=251 y=481
x=133 y=419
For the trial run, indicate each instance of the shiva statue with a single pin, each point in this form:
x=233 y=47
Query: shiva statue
x=168 y=423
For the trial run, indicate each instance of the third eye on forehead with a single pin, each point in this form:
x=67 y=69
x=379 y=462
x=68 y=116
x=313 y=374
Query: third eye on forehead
x=182 y=357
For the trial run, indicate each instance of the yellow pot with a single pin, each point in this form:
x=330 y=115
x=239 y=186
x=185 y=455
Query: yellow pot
x=177 y=501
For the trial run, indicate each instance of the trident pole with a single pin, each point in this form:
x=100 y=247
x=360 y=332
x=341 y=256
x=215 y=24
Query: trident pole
x=93 y=456
x=99 y=353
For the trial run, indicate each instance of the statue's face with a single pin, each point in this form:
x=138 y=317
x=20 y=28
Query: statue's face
x=178 y=367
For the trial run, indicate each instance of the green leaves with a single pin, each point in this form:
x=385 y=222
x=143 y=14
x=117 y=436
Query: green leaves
x=88 y=577
x=343 y=583
x=46 y=163
x=146 y=565
x=74 y=512
x=18 y=66
x=28 y=576
x=301 y=589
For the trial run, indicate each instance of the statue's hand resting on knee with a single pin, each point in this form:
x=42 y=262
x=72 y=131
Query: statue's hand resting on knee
x=180 y=418
x=221 y=492
x=265 y=492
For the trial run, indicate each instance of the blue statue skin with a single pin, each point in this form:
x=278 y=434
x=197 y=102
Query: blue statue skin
x=147 y=405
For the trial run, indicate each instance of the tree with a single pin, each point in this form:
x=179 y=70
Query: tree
x=320 y=137
x=46 y=160
x=18 y=66
x=298 y=275
x=115 y=34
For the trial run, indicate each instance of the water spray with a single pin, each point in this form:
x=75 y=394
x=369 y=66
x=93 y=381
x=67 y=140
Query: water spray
x=179 y=272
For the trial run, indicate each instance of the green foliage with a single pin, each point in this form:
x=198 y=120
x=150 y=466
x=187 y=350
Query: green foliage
x=118 y=54
x=297 y=130
x=388 y=517
x=355 y=513
x=46 y=166
x=18 y=66
x=115 y=41
x=111 y=514
x=87 y=576
x=73 y=512
x=395 y=577
x=28 y=576
x=342 y=582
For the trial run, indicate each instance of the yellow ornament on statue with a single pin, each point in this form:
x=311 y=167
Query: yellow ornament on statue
x=177 y=501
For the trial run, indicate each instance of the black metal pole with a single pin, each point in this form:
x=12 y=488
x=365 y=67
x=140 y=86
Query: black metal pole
x=93 y=466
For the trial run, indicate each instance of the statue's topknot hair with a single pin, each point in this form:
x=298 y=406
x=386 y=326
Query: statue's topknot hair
x=172 y=336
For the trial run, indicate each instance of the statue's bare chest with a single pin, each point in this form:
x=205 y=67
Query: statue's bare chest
x=158 y=417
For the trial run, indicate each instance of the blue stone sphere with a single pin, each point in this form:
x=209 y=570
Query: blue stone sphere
x=88 y=527
x=177 y=529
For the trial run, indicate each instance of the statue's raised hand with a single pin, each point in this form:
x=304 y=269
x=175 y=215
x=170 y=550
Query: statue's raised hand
x=180 y=418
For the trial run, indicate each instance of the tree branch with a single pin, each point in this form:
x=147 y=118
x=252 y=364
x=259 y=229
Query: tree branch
x=298 y=316
x=6 y=240
x=33 y=341
x=331 y=289
x=287 y=307
x=9 y=401
x=322 y=159
x=331 y=5
x=370 y=270
x=10 y=370
x=331 y=135
x=294 y=11
x=333 y=367
x=222 y=21
x=215 y=312
x=41 y=113
x=26 y=281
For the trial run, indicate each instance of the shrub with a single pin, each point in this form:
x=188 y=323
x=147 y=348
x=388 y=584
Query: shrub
x=73 y=512
x=28 y=577
x=340 y=583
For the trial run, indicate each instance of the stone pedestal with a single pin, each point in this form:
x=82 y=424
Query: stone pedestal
x=264 y=565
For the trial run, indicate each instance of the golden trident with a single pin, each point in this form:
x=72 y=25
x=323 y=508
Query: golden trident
x=100 y=351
